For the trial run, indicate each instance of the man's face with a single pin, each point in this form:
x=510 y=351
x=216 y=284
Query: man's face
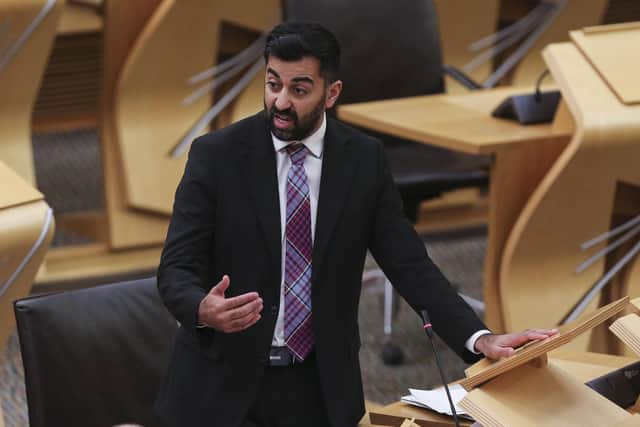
x=296 y=96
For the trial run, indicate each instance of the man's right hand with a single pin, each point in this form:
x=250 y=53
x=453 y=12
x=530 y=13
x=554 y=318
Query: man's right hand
x=229 y=314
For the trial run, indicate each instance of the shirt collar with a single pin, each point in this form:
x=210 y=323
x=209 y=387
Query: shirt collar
x=314 y=142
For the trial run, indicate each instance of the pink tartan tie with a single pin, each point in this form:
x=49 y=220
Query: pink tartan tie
x=298 y=332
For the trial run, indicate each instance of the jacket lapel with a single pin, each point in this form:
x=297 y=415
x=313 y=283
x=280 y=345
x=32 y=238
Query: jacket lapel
x=338 y=168
x=258 y=163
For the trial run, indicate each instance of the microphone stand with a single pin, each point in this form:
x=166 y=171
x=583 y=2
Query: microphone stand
x=427 y=328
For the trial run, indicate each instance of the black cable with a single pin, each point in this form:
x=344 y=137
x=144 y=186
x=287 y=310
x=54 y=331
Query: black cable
x=538 y=95
x=429 y=331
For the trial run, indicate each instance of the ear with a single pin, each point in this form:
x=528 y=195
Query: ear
x=333 y=92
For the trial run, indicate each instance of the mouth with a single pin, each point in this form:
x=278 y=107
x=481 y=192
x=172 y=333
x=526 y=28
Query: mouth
x=282 y=121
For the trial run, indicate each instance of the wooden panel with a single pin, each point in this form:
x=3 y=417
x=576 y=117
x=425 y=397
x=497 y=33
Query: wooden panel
x=77 y=18
x=143 y=121
x=614 y=65
x=20 y=229
x=15 y=191
x=149 y=116
x=124 y=21
x=487 y=369
x=535 y=397
x=577 y=14
x=20 y=78
x=462 y=22
x=574 y=201
x=88 y=263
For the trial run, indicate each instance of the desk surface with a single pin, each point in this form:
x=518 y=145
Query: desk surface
x=459 y=122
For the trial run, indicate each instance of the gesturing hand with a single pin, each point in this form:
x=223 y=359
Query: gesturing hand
x=497 y=346
x=229 y=314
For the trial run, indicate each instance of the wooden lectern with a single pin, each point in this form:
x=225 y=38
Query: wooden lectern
x=528 y=390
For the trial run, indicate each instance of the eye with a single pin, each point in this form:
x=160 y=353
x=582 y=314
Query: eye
x=272 y=85
x=300 y=91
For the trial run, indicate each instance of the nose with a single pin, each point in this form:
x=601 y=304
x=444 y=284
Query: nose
x=283 y=101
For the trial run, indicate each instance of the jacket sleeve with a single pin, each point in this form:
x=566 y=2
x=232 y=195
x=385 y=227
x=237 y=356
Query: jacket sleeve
x=188 y=251
x=403 y=257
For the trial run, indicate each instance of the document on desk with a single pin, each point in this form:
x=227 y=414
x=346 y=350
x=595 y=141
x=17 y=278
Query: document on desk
x=436 y=399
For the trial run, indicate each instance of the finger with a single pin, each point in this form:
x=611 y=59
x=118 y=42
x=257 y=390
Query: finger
x=237 y=326
x=535 y=335
x=546 y=332
x=240 y=300
x=500 y=352
x=511 y=340
x=254 y=307
x=221 y=286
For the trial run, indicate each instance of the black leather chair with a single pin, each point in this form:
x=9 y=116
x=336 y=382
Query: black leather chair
x=391 y=49
x=94 y=357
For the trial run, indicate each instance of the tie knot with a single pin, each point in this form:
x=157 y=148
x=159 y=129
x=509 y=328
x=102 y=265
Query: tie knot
x=297 y=153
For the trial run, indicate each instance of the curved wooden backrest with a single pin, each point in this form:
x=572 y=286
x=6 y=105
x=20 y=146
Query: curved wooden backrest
x=578 y=199
x=180 y=40
x=147 y=70
x=26 y=229
x=27 y=30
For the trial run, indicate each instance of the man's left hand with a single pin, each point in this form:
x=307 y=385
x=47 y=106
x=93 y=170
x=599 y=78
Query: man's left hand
x=498 y=346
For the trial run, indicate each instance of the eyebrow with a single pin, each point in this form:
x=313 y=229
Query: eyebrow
x=301 y=79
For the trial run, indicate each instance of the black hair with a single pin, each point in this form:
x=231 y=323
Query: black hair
x=291 y=41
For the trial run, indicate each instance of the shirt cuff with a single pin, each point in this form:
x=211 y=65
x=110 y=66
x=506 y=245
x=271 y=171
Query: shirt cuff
x=470 y=344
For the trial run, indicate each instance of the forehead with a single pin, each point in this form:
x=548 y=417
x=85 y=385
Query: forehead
x=308 y=67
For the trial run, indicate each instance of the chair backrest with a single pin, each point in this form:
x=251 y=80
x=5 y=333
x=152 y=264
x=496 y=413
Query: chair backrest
x=94 y=357
x=390 y=49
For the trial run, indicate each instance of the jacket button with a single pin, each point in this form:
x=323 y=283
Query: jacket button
x=274 y=310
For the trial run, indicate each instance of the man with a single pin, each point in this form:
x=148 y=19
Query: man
x=263 y=261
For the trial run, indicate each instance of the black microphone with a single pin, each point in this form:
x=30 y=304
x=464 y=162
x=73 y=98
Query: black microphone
x=530 y=108
x=426 y=324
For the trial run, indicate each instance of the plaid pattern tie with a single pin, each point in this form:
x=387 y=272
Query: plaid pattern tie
x=298 y=333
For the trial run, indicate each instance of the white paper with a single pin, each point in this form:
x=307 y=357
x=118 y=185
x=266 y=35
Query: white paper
x=436 y=399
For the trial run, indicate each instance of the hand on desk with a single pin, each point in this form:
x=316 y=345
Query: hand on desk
x=498 y=346
x=229 y=314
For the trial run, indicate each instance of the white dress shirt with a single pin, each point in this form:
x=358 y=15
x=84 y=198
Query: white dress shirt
x=313 y=169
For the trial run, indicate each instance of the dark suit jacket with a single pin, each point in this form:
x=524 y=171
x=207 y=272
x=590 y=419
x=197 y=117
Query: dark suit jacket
x=226 y=221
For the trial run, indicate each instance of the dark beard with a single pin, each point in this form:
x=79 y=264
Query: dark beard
x=302 y=126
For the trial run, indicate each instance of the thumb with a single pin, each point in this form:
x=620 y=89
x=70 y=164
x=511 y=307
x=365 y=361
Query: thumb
x=221 y=287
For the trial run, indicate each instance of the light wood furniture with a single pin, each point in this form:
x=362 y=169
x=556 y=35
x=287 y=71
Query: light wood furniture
x=594 y=184
x=26 y=229
x=144 y=119
x=149 y=116
x=627 y=328
x=545 y=200
x=151 y=49
x=582 y=366
x=462 y=22
x=463 y=122
x=575 y=15
x=28 y=28
x=528 y=390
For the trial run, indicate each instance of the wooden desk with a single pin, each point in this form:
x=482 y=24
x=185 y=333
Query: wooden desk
x=522 y=155
x=584 y=366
